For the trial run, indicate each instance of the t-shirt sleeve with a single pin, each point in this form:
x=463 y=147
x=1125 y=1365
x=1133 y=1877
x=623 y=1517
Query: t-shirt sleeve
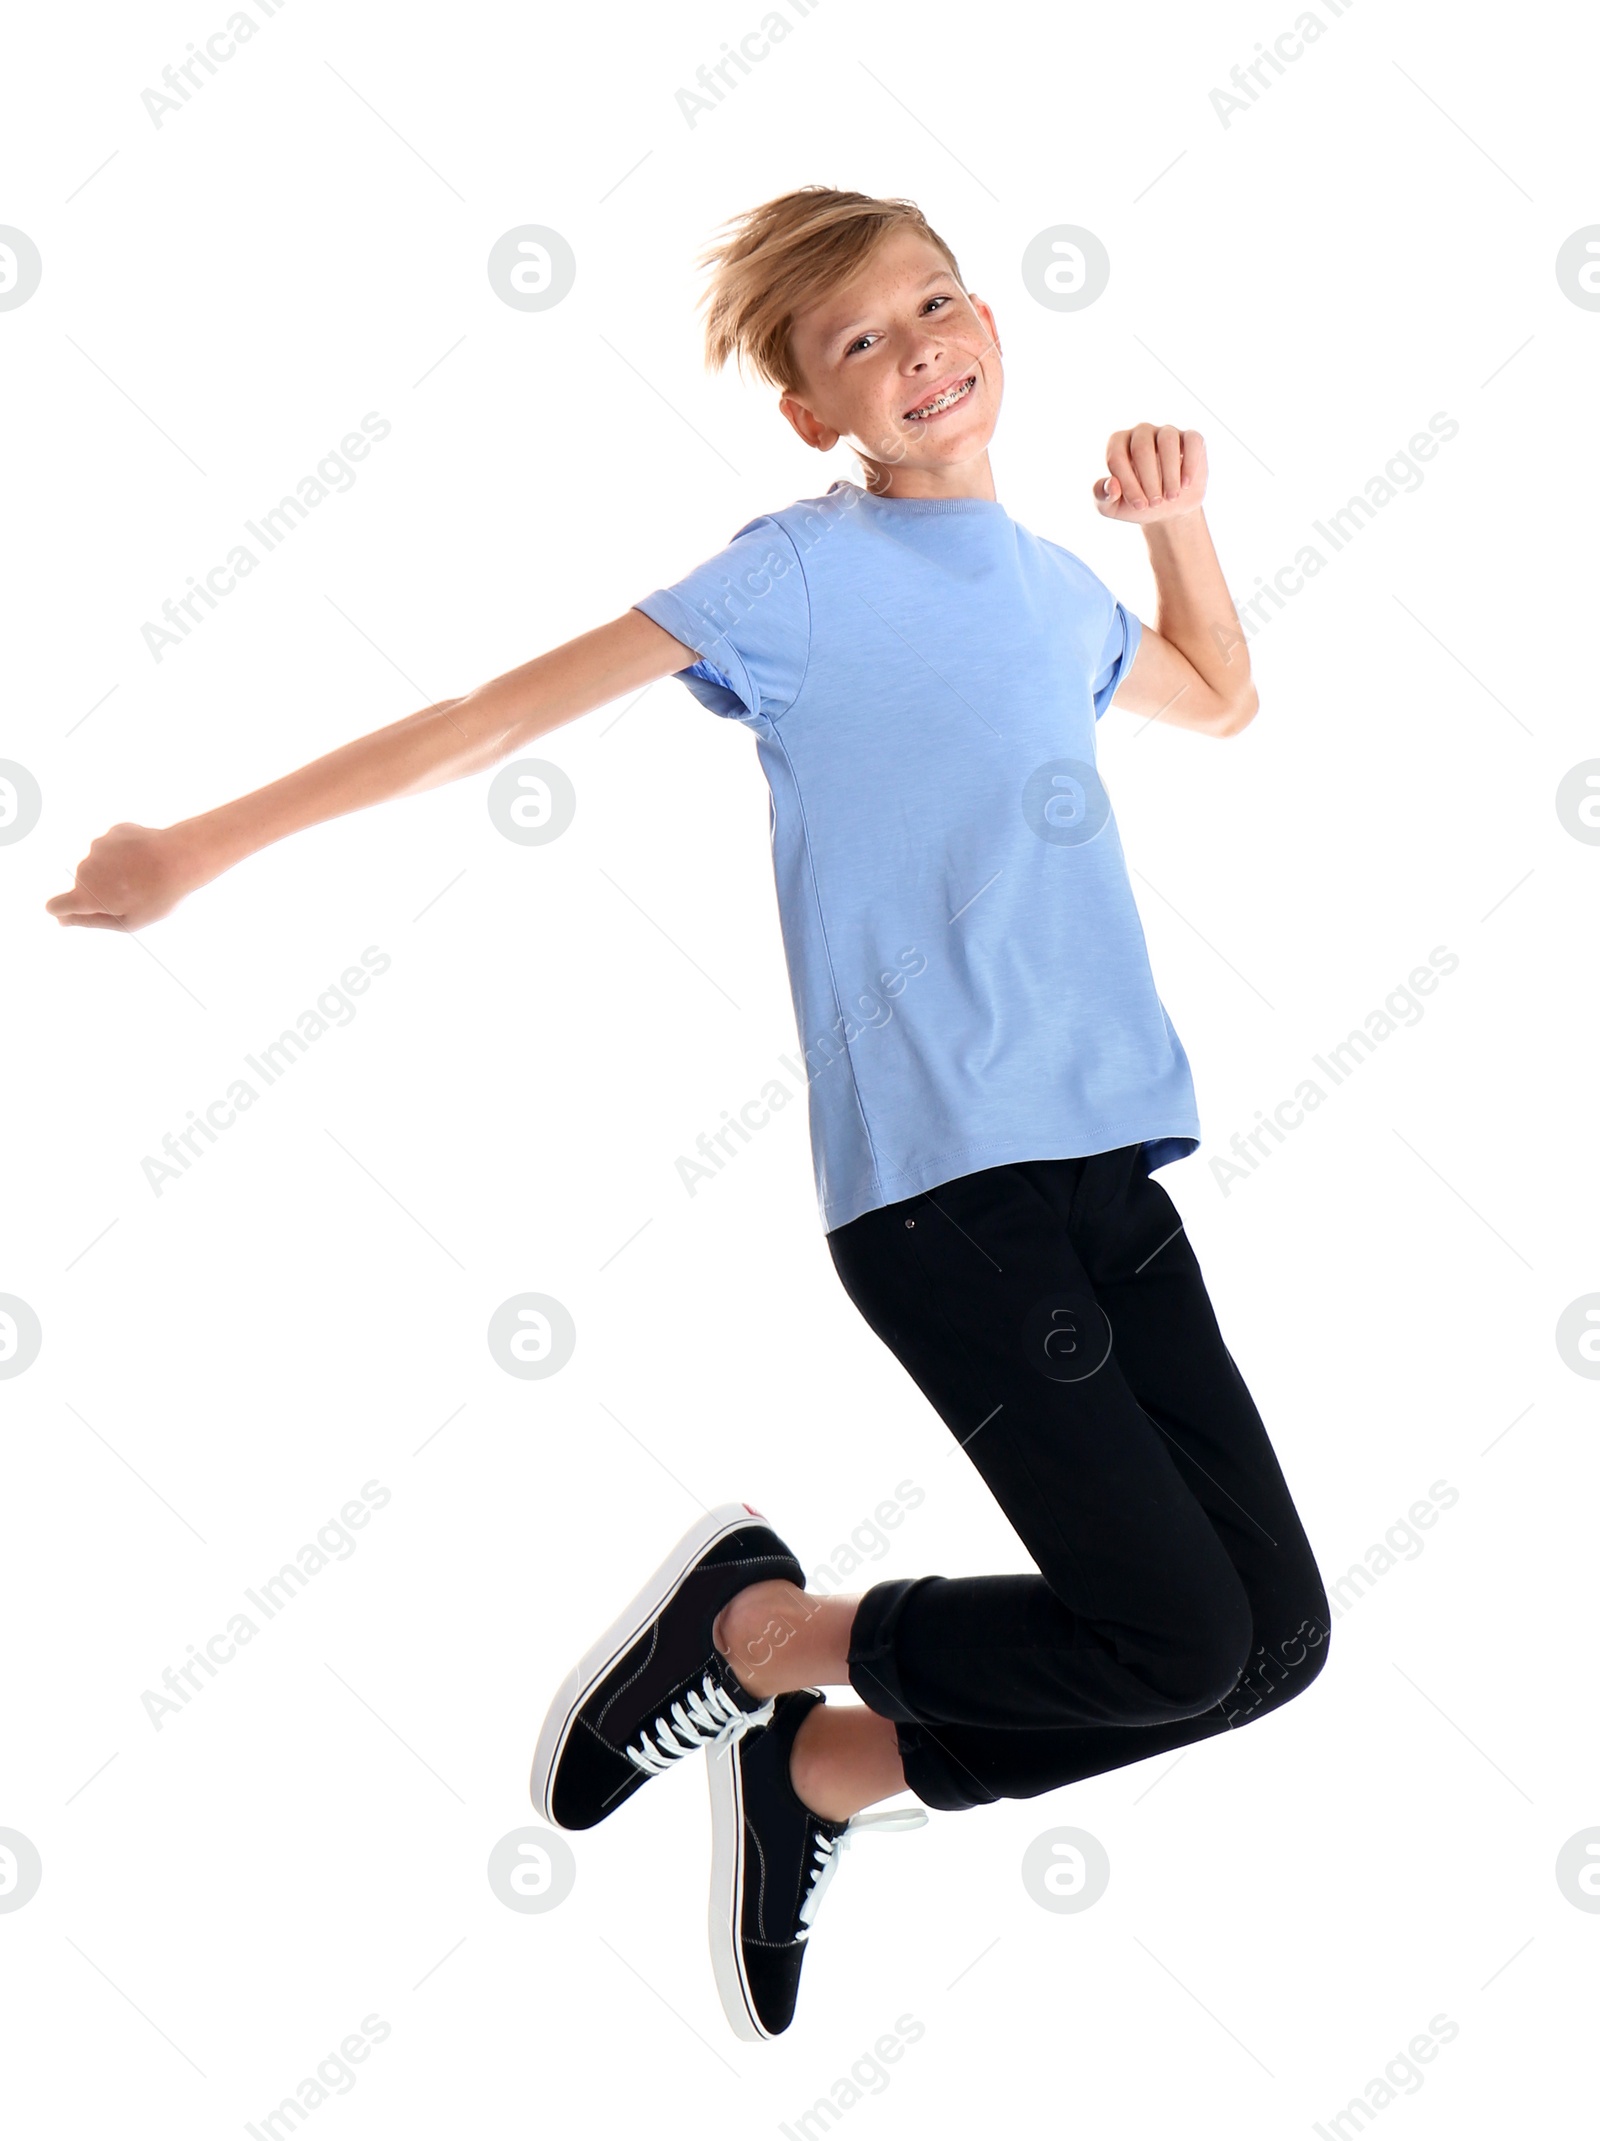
x=747 y=615
x=1116 y=656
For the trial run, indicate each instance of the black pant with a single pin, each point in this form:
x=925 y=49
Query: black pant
x=1054 y=1315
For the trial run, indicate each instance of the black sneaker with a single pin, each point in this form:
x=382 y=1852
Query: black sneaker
x=654 y=1688
x=771 y=1860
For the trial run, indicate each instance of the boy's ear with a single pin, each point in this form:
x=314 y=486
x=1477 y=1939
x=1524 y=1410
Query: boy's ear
x=822 y=436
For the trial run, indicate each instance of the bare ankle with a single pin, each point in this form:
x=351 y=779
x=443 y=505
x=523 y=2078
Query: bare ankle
x=811 y=1769
x=753 y=1628
x=843 y=1760
x=777 y=1637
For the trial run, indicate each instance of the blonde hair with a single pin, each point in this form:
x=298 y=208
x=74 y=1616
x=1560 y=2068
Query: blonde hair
x=773 y=262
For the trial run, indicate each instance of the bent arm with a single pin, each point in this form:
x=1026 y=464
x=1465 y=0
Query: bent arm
x=135 y=874
x=1193 y=670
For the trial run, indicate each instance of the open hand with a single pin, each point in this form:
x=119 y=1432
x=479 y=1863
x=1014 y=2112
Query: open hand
x=132 y=875
x=1157 y=472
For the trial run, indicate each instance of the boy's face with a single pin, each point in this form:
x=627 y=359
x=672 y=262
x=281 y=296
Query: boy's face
x=890 y=341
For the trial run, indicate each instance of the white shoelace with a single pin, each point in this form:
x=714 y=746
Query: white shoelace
x=826 y=1851
x=711 y=1718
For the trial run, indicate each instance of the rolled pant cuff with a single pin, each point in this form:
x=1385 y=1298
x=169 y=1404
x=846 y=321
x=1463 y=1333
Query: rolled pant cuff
x=874 y=1671
x=937 y=1779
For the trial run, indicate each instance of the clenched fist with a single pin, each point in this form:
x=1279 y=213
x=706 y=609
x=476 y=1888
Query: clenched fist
x=1157 y=473
x=132 y=875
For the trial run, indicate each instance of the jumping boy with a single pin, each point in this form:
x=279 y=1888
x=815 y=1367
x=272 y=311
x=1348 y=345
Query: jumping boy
x=993 y=1079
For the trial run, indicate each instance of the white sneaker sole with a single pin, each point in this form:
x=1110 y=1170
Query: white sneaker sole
x=726 y=1781
x=619 y=1638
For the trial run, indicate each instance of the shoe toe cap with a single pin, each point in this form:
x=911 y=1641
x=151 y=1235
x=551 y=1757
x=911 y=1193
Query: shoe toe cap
x=773 y=1976
x=591 y=1781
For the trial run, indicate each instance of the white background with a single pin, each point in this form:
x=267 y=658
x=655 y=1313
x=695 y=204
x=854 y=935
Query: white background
x=223 y=1900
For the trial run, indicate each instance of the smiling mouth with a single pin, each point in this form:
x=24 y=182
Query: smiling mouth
x=941 y=402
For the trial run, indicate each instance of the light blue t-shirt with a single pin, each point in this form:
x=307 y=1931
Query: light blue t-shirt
x=970 y=977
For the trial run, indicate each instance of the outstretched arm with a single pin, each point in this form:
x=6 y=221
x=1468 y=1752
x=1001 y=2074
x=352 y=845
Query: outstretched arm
x=1193 y=669
x=135 y=874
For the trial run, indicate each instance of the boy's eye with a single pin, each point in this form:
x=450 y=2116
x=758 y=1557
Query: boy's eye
x=856 y=344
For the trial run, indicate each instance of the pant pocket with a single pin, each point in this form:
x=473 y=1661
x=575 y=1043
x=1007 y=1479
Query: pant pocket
x=1105 y=1178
